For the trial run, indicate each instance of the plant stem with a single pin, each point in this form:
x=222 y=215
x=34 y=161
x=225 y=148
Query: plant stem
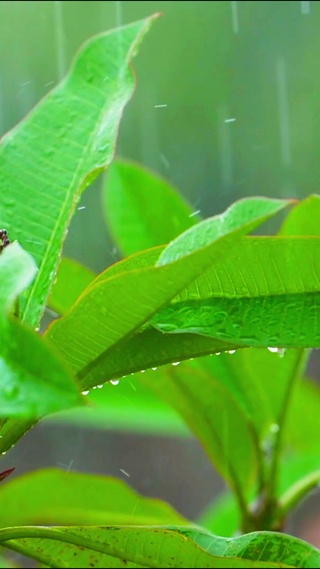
x=298 y=491
x=271 y=490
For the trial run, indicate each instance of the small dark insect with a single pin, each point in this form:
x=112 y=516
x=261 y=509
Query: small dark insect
x=4 y=241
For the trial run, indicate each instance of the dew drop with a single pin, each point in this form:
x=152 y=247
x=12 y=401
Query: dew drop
x=99 y=386
x=218 y=353
x=154 y=368
x=114 y=381
x=85 y=392
x=281 y=352
x=231 y=351
x=4 y=452
x=273 y=350
x=143 y=371
x=175 y=363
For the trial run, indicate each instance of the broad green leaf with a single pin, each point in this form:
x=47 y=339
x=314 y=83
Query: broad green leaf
x=230 y=275
x=72 y=279
x=303 y=218
x=149 y=349
x=300 y=466
x=157 y=547
x=304 y=435
x=60 y=147
x=263 y=547
x=117 y=307
x=256 y=378
x=54 y=497
x=233 y=404
x=141 y=209
x=33 y=379
x=254 y=305
x=17 y=269
x=216 y=418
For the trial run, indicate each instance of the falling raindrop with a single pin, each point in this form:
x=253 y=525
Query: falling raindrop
x=283 y=111
x=114 y=381
x=274 y=428
x=164 y=161
x=195 y=213
x=124 y=472
x=58 y=17
x=305 y=7
x=225 y=148
x=235 y=16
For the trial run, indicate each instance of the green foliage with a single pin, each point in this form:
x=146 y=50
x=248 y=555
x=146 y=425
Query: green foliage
x=187 y=288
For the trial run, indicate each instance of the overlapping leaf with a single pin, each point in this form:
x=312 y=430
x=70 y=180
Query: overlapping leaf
x=61 y=146
x=72 y=279
x=157 y=547
x=54 y=497
x=117 y=307
x=141 y=209
x=33 y=380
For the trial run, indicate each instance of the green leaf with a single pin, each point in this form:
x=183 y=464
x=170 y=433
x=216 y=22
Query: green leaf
x=303 y=218
x=33 y=379
x=72 y=279
x=300 y=469
x=218 y=421
x=141 y=209
x=157 y=547
x=243 y=301
x=149 y=349
x=60 y=147
x=54 y=497
x=116 y=307
x=300 y=465
x=17 y=269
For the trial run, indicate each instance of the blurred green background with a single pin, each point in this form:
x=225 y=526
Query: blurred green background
x=226 y=106
x=226 y=103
